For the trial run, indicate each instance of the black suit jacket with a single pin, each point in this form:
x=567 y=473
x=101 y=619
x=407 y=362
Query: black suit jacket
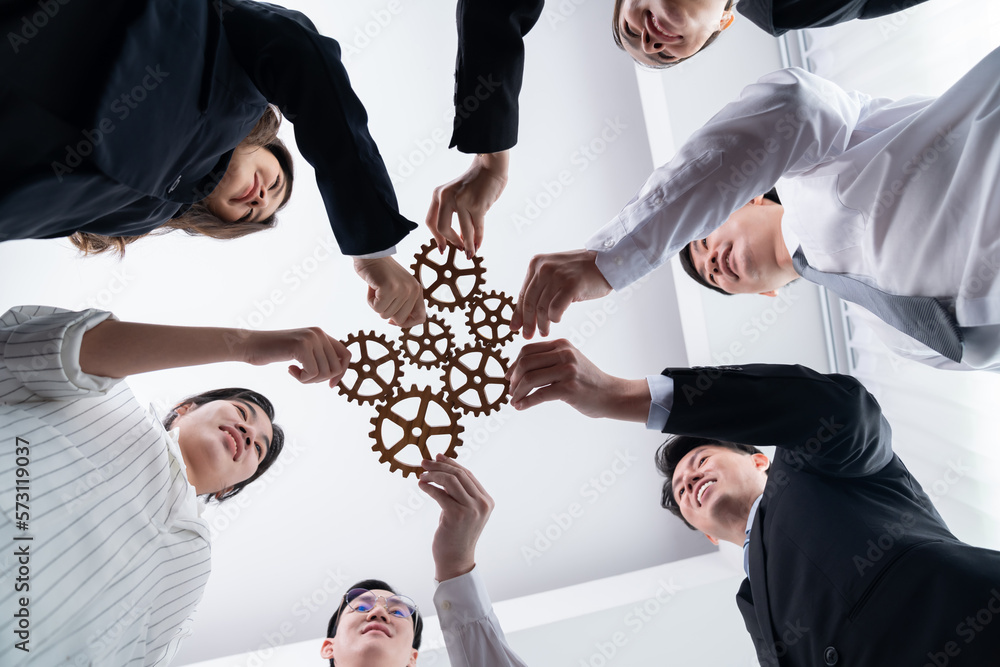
x=779 y=16
x=152 y=96
x=850 y=564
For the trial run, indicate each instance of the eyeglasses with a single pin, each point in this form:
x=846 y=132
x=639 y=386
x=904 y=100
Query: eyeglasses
x=363 y=600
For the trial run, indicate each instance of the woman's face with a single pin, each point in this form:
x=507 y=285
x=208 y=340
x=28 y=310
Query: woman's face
x=251 y=189
x=222 y=442
x=658 y=32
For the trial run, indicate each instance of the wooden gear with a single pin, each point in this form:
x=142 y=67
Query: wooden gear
x=422 y=343
x=446 y=275
x=486 y=317
x=366 y=364
x=416 y=431
x=476 y=379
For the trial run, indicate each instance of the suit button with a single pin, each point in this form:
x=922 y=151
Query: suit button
x=173 y=186
x=610 y=243
x=830 y=656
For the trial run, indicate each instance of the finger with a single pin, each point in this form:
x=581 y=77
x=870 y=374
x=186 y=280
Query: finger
x=479 y=228
x=531 y=357
x=432 y=218
x=468 y=232
x=529 y=304
x=445 y=214
x=543 y=377
x=543 y=395
x=452 y=463
x=542 y=320
x=310 y=364
x=386 y=304
x=417 y=315
x=451 y=483
x=439 y=495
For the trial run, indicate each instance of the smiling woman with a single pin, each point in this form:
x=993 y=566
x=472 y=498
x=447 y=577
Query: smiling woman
x=260 y=172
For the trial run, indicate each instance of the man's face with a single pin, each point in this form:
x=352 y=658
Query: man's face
x=374 y=638
x=716 y=486
x=659 y=32
x=742 y=256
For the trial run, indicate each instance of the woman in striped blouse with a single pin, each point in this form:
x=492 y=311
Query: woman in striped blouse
x=105 y=552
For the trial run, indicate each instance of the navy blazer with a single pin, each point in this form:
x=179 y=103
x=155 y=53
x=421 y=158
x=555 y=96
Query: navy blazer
x=779 y=16
x=850 y=564
x=129 y=111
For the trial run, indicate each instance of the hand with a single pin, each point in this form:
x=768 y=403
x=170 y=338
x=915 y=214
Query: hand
x=470 y=196
x=465 y=508
x=393 y=292
x=557 y=371
x=323 y=358
x=554 y=282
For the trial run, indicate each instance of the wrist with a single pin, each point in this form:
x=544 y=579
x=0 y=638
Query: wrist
x=445 y=571
x=630 y=400
x=495 y=163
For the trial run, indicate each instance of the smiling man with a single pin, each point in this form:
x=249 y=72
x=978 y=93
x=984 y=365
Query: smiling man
x=888 y=204
x=847 y=560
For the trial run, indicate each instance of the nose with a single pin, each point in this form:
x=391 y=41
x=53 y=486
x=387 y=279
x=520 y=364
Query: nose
x=378 y=612
x=249 y=435
x=649 y=45
x=262 y=199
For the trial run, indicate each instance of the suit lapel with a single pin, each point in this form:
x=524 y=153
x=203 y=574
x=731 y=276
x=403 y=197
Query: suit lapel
x=756 y=587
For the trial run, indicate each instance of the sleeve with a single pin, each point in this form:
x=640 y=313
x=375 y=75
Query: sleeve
x=488 y=72
x=40 y=355
x=471 y=630
x=826 y=424
x=300 y=71
x=784 y=125
x=661 y=393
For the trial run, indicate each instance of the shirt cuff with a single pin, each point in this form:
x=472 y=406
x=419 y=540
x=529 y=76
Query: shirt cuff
x=661 y=391
x=618 y=257
x=388 y=252
x=462 y=600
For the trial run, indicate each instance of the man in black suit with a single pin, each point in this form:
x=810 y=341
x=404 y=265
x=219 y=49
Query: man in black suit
x=848 y=562
x=655 y=33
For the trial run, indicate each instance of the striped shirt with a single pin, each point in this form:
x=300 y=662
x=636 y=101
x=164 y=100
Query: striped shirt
x=118 y=556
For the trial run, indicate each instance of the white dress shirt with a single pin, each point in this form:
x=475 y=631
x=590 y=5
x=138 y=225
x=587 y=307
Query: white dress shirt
x=471 y=630
x=119 y=555
x=903 y=194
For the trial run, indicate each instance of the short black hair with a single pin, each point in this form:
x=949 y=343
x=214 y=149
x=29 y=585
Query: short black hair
x=247 y=396
x=688 y=264
x=372 y=584
x=676 y=448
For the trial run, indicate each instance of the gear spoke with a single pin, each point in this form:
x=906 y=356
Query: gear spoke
x=447 y=274
x=365 y=363
x=415 y=431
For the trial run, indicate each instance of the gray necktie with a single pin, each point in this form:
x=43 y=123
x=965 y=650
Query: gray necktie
x=920 y=317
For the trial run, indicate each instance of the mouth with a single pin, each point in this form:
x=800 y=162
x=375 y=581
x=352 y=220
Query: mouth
x=376 y=627
x=727 y=264
x=251 y=191
x=658 y=29
x=232 y=440
x=702 y=490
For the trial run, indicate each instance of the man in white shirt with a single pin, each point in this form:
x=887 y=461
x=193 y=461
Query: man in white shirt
x=899 y=195
x=376 y=627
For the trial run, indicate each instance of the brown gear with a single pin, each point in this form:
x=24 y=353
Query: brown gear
x=432 y=348
x=446 y=275
x=486 y=322
x=366 y=365
x=477 y=378
x=416 y=431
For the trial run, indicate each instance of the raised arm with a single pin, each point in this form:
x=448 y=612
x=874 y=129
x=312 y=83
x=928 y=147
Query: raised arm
x=785 y=124
x=488 y=73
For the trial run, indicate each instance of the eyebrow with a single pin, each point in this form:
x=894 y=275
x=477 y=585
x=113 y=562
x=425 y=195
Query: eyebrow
x=691 y=249
x=253 y=411
x=696 y=452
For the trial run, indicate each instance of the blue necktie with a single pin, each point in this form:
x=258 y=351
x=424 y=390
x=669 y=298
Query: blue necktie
x=922 y=318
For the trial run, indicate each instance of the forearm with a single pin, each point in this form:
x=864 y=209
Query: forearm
x=118 y=349
x=628 y=400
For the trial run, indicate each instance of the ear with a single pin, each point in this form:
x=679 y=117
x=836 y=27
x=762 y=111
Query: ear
x=772 y=292
x=218 y=494
x=727 y=20
x=711 y=539
x=761 y=461
x=758 y=200
x=326 y=650
x=184 y=408
x=413 y=659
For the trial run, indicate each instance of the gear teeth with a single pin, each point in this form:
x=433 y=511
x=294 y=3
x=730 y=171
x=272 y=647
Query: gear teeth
x=476 y=379
x=493 y=318
x=426 y=342
x=363 y=338
x=447 y=274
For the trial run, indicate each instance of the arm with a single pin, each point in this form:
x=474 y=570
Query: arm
x=488 y=74
x=471 y=630
x=783 y=125
x=118 y=349
x=829 y=424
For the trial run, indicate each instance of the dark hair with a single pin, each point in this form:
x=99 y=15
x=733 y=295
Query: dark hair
x=372 y=584
x=199 y=219
x=248 y=396
x=676 y=448
x=616 y=33
x=688 y=264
